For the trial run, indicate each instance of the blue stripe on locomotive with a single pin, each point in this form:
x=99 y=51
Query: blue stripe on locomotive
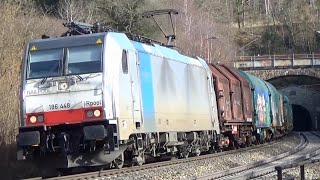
x=147 y=92
x=145 y=59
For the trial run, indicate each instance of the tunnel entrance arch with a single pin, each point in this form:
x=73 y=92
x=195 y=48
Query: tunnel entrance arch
x=301 y=118
x=302 y=90
x=299 y=80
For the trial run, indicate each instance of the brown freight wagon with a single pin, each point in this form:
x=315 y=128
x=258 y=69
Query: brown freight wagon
x=246 y=94
x=235 y=94
x=221 y=84
x=233 y=120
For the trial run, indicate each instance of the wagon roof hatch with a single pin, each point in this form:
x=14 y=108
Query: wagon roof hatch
x=239 y=76
x=228 y=75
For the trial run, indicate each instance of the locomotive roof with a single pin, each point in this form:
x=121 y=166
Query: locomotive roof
x=165 y=52
x=154 y=49
x=67 y=41
x=118 y=38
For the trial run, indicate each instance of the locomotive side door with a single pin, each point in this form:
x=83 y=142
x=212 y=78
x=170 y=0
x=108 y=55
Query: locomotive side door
x=135 y=87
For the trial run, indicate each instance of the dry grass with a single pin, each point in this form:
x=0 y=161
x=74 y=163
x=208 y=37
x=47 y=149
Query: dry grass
x=16 y=29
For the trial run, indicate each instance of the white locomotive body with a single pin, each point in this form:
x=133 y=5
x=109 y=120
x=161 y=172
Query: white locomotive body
x=101 y=98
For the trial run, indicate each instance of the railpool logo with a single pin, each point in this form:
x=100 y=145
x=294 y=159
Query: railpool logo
x=92 y=103
x=37 y=91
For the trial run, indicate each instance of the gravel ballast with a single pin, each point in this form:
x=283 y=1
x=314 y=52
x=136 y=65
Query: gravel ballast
x=199 y=168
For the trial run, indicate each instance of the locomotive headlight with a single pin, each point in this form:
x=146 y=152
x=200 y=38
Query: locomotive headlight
x=40 y=118
x=63 y=86
x=89 y=114
x=97 y=113
x=33 y=119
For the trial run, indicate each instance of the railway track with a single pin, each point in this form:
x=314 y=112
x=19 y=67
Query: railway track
x=306 y=149
x=127 y=170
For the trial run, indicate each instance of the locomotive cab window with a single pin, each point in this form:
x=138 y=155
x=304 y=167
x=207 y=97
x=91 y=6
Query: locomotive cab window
x=83 y=59
x=45 y=63
x=124 y=62
x=65 y=61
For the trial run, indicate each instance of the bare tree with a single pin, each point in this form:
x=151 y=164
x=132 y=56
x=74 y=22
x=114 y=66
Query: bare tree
x=77 y=10
x=267 y=6
x=70 y=10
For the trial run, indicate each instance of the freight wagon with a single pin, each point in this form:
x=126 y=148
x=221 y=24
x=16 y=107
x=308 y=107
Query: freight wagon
x=287 y=114
x=261 y=107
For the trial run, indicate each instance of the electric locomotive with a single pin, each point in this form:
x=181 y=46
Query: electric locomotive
x=104 y=97
x=66 y=97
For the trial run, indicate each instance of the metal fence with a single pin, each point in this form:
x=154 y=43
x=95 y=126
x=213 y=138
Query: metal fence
x=277 y=61
x=302 y=164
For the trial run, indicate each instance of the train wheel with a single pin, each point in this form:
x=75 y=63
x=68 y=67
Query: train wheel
x=140 y=160
x=248 y=141
x=237 y=145
x=184 y=154
x=174 y=157
x=212 y=150
x=232 y=145
x=243 y=145
x=198 y=152
x=119 y=161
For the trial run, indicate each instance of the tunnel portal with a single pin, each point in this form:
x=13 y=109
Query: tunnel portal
x=304 y=94
x=301 y=118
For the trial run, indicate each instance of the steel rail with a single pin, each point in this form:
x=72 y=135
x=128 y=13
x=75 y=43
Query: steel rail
x=271 y=168
x=248 y=171
x=223 y=174
x=114 y=172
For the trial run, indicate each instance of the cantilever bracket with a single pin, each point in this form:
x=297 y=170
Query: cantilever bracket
x=169 y=12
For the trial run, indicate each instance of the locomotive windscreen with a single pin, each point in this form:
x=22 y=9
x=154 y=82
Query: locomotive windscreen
x=64 y=61
x=45 y=63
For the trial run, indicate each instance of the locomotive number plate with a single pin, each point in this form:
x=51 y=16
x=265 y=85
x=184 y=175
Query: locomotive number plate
x=59 y=106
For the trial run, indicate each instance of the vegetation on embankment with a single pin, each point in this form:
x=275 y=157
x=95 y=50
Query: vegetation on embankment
x=16 y=28
x=215 y=30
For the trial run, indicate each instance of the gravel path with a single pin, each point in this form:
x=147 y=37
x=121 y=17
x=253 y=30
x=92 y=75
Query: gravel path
x=199 y=168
